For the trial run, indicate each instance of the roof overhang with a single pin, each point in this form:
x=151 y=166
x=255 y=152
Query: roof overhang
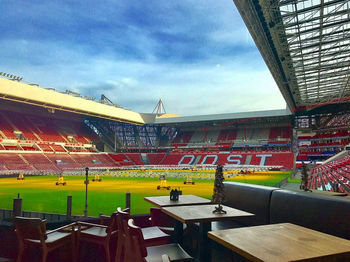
x=222 y=117
x=34 y=95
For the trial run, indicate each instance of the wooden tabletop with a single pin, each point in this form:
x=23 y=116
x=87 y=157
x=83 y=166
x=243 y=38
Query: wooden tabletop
x=202 y=213
x=282 y=242
x=184 y=200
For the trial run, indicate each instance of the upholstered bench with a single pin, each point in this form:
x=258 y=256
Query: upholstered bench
x=328 y=214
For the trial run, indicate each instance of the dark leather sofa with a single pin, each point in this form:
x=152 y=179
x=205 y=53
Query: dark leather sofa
x=328 y=214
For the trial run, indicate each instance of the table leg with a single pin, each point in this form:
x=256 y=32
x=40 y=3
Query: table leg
x=204 y=245
x=179 y=232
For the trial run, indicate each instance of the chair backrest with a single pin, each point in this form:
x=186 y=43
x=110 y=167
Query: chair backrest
x=135 y=242
x=111 y=222
x=30 y=228
x=122 y=218
x=104 y=220
x=159 y=218
x=112 y=225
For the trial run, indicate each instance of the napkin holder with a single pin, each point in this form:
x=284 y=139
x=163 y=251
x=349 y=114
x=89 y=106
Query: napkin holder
x=174 y=195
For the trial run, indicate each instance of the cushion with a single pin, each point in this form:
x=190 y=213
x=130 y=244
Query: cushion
x=250 y=198
x=328 y=214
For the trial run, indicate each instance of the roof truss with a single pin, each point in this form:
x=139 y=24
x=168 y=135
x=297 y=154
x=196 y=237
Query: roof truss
x=311 y=44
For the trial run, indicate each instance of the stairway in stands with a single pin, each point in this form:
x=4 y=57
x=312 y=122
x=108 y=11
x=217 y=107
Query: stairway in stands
x=144 y=158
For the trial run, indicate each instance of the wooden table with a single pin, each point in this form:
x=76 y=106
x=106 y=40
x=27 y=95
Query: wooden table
x=184 y=200
x=204 y=215
x=282 y=242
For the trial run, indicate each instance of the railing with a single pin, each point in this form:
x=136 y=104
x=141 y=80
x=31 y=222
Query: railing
x=7 y=214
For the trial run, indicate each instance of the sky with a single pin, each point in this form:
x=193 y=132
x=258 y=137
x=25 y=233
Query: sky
x=196 y=55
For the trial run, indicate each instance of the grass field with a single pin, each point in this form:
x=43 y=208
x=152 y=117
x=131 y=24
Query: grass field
x=294 y=180
x=39 y=193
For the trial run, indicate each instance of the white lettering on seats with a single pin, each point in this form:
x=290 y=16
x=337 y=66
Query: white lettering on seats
x=231 y=160
x=263 y=159
x=187 y=156
x=213 y=162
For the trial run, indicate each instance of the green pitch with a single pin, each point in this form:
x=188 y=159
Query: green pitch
x=41 y=194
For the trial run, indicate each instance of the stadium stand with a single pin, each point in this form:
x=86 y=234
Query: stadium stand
x=22 y=125
x=58 y=148
x=332 y=176
x=279 y=135
x=40 y=162
x=93 y=160
x=182 y=138
x=321 y=136
x=156 y=158
x=12 y=148
x=6 y=129
x=253 y=135
x=35 y=141
x=29 y=148
x=13 y=161
x=42 y=141
x=121 y=159
x=45 y=147
x=135 y=158
x=50 y=162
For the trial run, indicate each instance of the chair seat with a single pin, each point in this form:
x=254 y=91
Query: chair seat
x=94 y=231
x=174 y=251
x=154 y=236
x=167 y=230
x=51 y=238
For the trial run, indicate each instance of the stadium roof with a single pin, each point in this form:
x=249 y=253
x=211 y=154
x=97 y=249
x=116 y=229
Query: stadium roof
x=306 y=45
x=52 y=100
x=221 y=117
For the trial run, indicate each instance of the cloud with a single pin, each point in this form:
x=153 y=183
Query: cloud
x=196 y=55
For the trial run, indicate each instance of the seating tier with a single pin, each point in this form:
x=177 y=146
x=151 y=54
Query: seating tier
x=270 y=158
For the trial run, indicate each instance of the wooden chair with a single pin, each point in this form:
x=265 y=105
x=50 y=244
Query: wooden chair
x=98 y=234
x=105 y=220
x=162 y=220
x=151 y=235
x=137 y=251
x=31 y=232
x=167 y=224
